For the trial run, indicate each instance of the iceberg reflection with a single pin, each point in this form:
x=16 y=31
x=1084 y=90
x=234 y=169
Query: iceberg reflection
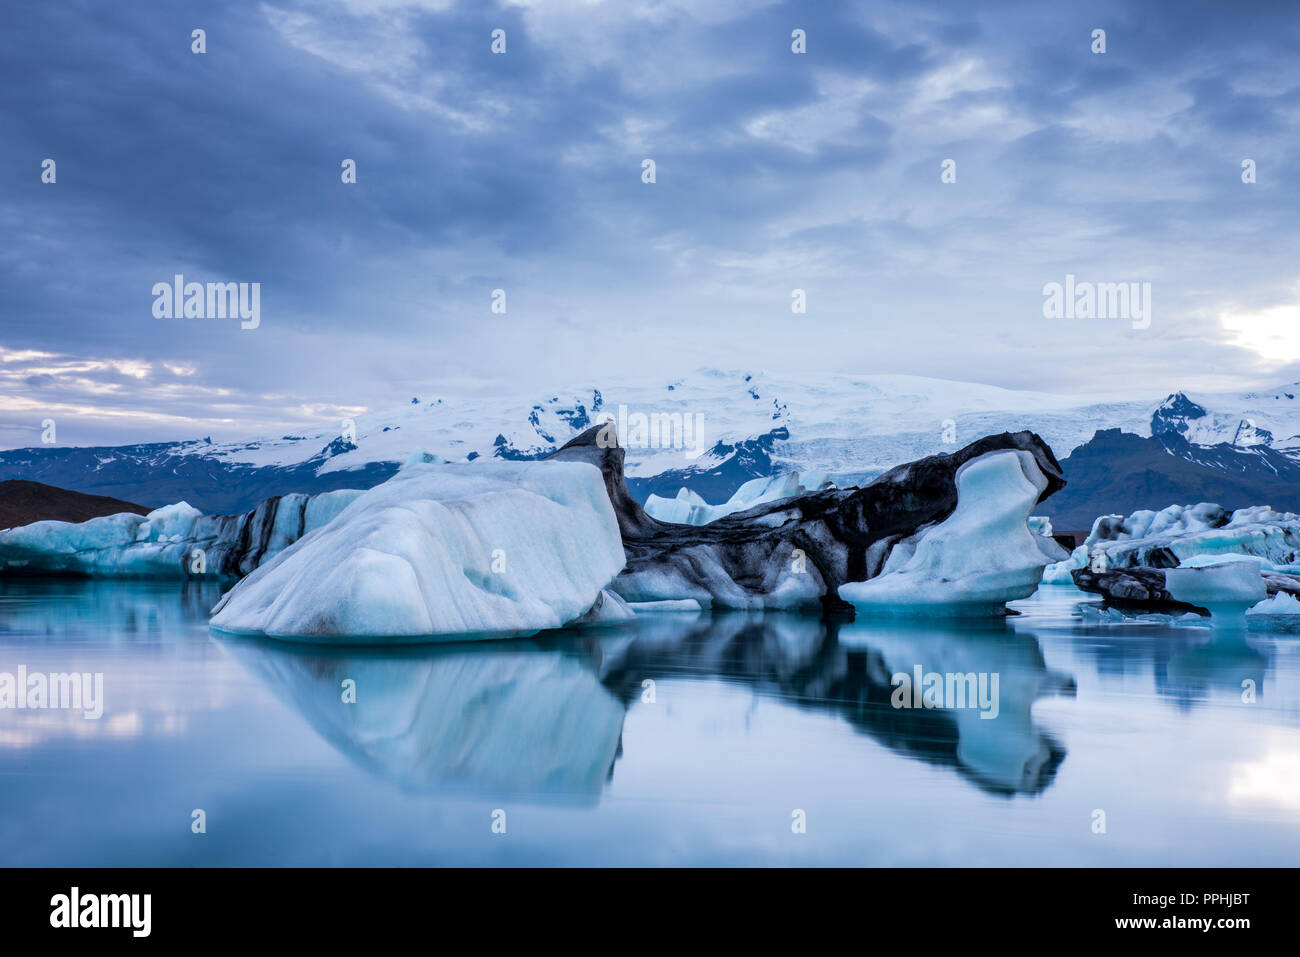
x=847 y=669
x=546 y=716
x=507 y=717
x=1000 y=749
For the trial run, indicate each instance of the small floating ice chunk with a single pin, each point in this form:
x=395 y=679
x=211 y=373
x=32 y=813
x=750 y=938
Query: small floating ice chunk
x=1279 y=613
x=1279 y=604
x=1226 y=585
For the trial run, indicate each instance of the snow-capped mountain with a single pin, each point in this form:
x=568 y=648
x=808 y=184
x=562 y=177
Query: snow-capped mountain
x=1241 y=425
x=710 y=431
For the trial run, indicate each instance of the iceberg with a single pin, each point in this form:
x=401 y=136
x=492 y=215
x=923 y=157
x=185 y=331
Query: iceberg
x=476 y=549
x=1225 y=585
x=688 y=508
x=1164 y=539
x=1279 y=613
x=175 y=541
x=1127 y=559
x=978 y=558
x=795 y=553
x=1279 y=604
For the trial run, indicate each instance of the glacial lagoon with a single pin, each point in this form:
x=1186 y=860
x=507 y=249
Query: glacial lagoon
x=673 y=739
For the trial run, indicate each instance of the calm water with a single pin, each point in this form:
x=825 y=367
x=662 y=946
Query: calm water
x=673 y=740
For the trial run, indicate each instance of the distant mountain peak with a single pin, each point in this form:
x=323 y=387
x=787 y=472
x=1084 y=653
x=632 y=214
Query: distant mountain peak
x=1179 y=416
x=1174 y=414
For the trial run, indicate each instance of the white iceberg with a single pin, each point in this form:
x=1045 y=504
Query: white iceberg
x=1279 y=613
x=1279 y=604
x=1224 y=585
x=1186 y=531
x=467 y=549
x=688 y=508
x=978 y=558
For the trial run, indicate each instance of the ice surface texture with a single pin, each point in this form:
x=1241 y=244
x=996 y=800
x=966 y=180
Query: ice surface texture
x=688 y=508
x=468 y=549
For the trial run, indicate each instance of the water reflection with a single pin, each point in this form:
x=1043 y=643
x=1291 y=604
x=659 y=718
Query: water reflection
x=754 y=715
x=1187 y=662
x=1006 y=754
x=503 y=717
x=848 y=669
x=546 y=716
x=35 y=608
x=1223 y=660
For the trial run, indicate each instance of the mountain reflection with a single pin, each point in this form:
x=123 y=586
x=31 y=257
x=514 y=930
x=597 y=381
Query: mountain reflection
x=546 y=716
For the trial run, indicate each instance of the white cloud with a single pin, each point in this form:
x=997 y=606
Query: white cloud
x=379 y=44
x=1272 y=332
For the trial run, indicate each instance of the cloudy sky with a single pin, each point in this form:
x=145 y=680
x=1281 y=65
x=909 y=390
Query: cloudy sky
x=522 y=171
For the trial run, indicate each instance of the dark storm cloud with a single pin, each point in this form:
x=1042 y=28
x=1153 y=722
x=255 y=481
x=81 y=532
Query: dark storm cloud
x=523 y=171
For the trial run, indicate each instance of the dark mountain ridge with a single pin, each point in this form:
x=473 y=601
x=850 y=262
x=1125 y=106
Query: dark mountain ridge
x=23 y=502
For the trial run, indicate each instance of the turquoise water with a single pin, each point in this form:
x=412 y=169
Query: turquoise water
x=677 y=739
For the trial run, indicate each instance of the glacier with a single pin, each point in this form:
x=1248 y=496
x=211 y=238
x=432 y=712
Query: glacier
x=175 y=541
x=464 y=549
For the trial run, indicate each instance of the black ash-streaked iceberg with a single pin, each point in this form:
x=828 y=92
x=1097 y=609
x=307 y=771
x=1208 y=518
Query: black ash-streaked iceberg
x=798 y=553
x=977 y=559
